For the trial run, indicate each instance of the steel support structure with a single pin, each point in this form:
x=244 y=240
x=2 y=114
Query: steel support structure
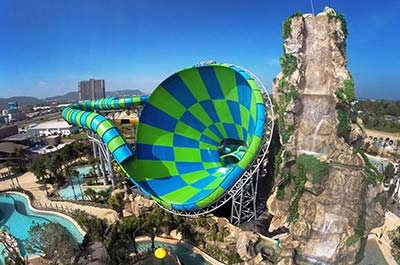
x=105 y=157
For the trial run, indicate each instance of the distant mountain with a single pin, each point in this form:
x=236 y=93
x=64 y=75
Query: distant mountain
x=22 y=101
x=124 y=93
x=73 y=96
x=69 y=97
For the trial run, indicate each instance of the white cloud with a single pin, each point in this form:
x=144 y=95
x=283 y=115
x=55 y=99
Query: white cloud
x=42 y=83
x=273 y=62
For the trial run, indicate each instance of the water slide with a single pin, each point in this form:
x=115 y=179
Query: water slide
x=199 y=133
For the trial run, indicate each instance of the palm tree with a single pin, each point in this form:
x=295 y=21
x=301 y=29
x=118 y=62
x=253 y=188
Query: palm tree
x=131 y=226
x=75 y=173
x=69 y=174
x=90 y=193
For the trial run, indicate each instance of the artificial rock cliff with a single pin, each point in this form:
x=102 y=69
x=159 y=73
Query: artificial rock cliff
x=324 y=188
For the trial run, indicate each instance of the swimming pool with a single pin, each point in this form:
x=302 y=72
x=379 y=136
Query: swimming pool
x=68 y=191
x=185 y=254
x=16 y=214
x=380 y=164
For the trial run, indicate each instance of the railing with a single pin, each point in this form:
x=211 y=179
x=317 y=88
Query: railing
x=81 y=202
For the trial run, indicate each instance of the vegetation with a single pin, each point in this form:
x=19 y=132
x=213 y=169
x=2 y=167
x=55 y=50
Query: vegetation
x=299 y=180
x=286 y=27
x=101 y=196
x=389 y=172
x=339 y=16
x=10 y=252
x=288 y=63
x=278 y=161
x=343 y=127
x=373 y=175
x=373 y=112
x=119 y=238
x=311 y=164
x=394 y=236
x=281 y=188
x=359 y=231
x=349 y=89
x=49 y=168
x=304 y=164
x=54 y=241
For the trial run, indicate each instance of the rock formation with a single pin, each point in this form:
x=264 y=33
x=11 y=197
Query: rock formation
x=325 y=187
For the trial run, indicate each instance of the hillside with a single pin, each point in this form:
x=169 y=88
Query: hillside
x=68 y=97
x=22 y=100
x=73 y=96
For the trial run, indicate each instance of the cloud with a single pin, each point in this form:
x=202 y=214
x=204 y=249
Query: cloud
x=384 y=16
x=273 y=62
x=42 y=83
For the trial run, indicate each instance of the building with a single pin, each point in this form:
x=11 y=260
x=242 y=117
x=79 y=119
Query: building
x=92 y=89
x=8 y=131
x=52 y=128
x=8 y=149
x=13 y=106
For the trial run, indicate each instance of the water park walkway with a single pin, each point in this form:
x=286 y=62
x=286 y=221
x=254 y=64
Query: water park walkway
x=27 y=181
x=391 y=223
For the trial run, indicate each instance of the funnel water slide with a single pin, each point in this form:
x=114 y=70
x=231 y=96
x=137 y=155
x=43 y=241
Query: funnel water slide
x=198 y=134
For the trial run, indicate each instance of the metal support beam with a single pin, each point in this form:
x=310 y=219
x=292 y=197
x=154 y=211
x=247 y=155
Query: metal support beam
x=106 y=159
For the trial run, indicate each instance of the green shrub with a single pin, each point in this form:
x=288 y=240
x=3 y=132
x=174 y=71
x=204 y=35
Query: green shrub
x=359 y=232
x=280 y=194
x=349 y=89
x=286 y=27
x=340 y=16
x=340 y=96
x=299 y=180
x=286 y=133
x=278 y=161
x=282 y=84
x=311 y=164
x=288 y=63
x=373 y=175
x=343 y=128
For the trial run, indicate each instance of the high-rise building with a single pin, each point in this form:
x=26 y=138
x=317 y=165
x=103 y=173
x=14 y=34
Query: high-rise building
x=92 y=89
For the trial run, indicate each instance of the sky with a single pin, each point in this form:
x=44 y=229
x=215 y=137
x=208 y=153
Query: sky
x=47 y=46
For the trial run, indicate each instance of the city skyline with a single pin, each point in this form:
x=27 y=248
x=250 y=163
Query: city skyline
x=46 y=49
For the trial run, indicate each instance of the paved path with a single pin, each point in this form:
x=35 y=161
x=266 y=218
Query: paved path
x=28 y=182
x=391 y=222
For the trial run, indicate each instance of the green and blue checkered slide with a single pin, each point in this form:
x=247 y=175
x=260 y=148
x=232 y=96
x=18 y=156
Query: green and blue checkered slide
x=198 y=132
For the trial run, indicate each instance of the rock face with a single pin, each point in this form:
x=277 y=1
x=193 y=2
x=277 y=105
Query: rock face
x=313 y=93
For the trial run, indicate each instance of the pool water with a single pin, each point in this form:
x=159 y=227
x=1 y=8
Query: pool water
x=185 y=254
x=68 y=191
x=16 y=215
x=378 y=163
